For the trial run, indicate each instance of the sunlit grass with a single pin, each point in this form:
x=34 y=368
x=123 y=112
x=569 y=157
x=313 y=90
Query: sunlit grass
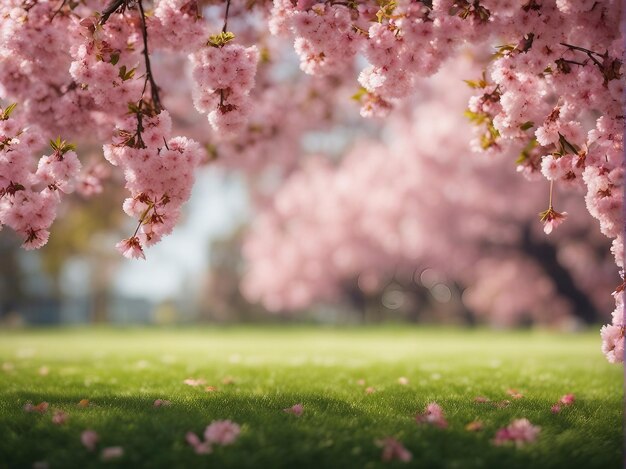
x=122 y=372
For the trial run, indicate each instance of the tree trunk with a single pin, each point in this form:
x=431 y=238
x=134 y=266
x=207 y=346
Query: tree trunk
x=546 y=256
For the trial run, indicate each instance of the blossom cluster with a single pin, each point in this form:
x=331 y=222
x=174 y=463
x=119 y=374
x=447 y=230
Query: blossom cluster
x=223 y=75
x=159 y=172
x=34 y=64
x=29 y=194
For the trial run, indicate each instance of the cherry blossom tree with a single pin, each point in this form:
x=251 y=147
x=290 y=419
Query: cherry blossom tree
x=423 y=200
x=76 y=70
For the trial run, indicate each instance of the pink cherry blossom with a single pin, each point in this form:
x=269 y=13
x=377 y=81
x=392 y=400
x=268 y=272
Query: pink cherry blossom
x=131 y=248
x=567 y=399
x=551 y=219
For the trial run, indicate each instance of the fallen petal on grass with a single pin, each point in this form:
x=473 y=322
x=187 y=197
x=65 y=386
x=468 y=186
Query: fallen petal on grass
x=403 y=381
x=519 y=431
x=199 y=446
x=433 y=415
x=514 y=393
x=161 y=403
x=194 y=382
x=393 y=450
x=502 y=404
x=370 y=390
x=222 y=432
x=112 y=452
x=83 y=403
x=59 y=417
x=89 y=439
x=296 y=410
x=567 y=399
x=474 y=426
x=41 y=408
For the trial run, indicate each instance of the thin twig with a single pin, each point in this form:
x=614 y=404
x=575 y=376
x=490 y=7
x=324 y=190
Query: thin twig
x=110 y=9
x=224 y=29
x=154 y=91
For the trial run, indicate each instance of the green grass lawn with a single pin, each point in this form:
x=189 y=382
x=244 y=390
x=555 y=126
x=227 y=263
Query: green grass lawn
x=123 y=371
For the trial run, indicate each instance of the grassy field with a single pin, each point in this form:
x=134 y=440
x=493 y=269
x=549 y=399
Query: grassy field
x=121 y=373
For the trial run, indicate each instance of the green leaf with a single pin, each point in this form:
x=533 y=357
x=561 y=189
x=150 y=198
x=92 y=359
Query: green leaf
x=6 y=113
x=61 y=146
x=126 y=75
x=527 y=125
x=525 y=153
x=358 y=96
x=219 y=40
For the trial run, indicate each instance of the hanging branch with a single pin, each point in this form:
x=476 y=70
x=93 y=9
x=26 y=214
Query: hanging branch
x=154 y=90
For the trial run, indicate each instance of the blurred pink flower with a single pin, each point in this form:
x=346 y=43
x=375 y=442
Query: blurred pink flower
x=222 y=432
x=89 y=439
x=59 y=417
x=519 y=431
x=555 y=409
x=432 y=415
x=112 y=452
x=394 y=450
x=296 y=410
x=194 y=382
x=360 y=382
x=131 y=248
x=567 y=399
x=199 y=446
x=370 y=390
